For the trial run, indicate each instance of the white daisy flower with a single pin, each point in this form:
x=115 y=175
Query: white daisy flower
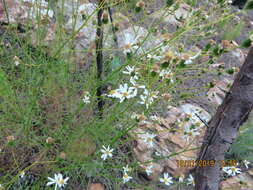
x=107 y=152
x=86 y=98
x=114 y=94
x=16 y=60
x=130 y=44
x=156 y=57
x=148 y=98
x=58 y=181
x=246 y=163
x=130 y=71
x=126 y=169
x=190 y=59
x=158 y=154
x=126 y=177
x=181 y=178
x=22 y=174
x=148 y=169
x=190 y=180
x=133 y=79
x=166 y=73
x=231 y=171
x=126 y=93
x=166 y=179
x=123 y=92
x=190 y=132
x=155 y=118
x=149 y=139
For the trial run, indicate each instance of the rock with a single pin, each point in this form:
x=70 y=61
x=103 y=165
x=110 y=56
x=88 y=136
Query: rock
x=170 y=139
x=218 y=92
x=96 y=186
x=196 y=113
x=172 y=20
x=233 y=58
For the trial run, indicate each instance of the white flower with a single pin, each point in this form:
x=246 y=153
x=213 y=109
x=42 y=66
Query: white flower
x=130 y=71
x=130 y=43
x=181 y=178
x=166 y=179
x=107 y=152
x=133 y=79
x=126 y=169
x=157 y=57
x=190 y=59
x=231 y=171
x=58 y=181
x=123 y=92
x=22 y=174
x=246 y=163
x=126 y=177
x=155 y=118
x=130 y=47
x=148 y=98
x=149 y=139
x=16 y=61
x=166 y=73
x=1 y=187
x=190 y=132
x=229 y=1
x=86 y=98
x=190 y=180
x=148 y=169
x=157 y=154
x=126 y=93
x=114 y=94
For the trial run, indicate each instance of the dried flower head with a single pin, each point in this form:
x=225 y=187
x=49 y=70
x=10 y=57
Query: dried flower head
x=10 y=138
x=49 y=140
x=140 y=4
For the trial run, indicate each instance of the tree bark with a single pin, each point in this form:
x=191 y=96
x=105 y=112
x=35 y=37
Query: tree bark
x=224 y=125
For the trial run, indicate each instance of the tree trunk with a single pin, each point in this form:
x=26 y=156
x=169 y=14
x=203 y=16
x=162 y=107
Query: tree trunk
x=224 y=125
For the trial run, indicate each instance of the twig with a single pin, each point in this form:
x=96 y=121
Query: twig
x=99 y=57
x=115 y=39
x=6 y=11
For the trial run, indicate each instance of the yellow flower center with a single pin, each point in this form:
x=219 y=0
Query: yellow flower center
x=61 y=181
x=128 y=46
x=149 y=139
x=125 y=94
x=112 y=91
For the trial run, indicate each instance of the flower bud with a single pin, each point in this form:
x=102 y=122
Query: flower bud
x=50 y=140
x=10 y=138
x=139 y=6
x=105 y=19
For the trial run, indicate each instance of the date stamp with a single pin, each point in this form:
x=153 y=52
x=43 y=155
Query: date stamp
x=205 y=163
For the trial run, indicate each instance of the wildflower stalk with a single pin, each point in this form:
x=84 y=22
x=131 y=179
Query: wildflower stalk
x=99 y=56
x=6 y=11
x=113 y=27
